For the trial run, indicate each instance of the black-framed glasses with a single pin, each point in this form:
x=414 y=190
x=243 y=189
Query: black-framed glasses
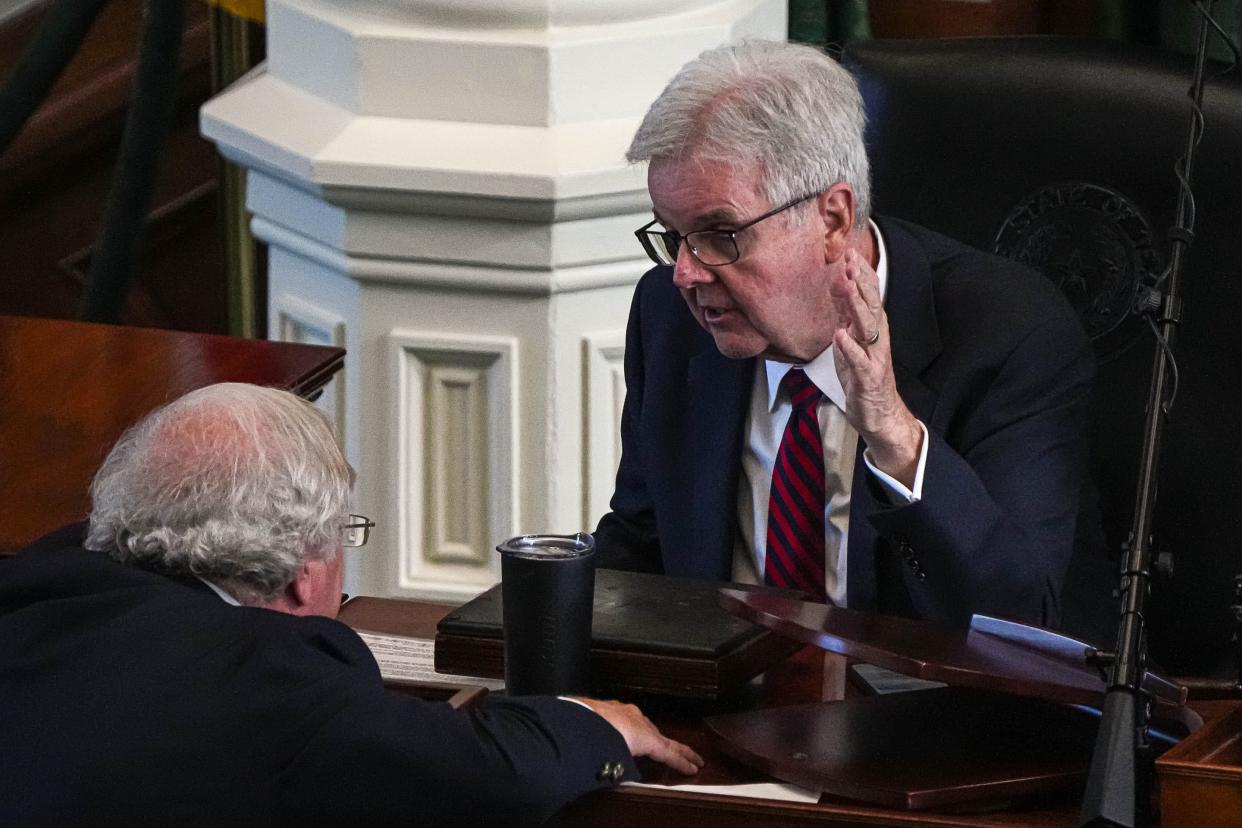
x=712 y=248
x=356 y=531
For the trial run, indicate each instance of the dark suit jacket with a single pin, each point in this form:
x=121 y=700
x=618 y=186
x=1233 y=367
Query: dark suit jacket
x=127 y=697
x=987 y=354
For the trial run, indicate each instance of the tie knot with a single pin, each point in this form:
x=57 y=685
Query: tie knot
x=802 y=392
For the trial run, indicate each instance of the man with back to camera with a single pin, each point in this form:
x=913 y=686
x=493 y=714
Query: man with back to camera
x=818 y=398
x=179 y=664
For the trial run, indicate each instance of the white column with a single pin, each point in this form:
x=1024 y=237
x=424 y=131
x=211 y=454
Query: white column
x=443 y=190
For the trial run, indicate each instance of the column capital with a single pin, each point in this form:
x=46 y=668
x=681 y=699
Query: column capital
x=489 y=14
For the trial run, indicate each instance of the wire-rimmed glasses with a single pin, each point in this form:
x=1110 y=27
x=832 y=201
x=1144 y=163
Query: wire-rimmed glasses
x=356 y=531
x=713 y=248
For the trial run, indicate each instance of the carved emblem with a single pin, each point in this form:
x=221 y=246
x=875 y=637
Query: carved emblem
x=1095 y=245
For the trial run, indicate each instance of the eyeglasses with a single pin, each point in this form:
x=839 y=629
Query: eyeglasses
x=712 y=248
x=356 y=532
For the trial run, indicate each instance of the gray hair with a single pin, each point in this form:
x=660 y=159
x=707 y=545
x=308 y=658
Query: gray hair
x=236 y=484
x=790 y=108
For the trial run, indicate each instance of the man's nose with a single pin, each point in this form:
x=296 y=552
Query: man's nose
x=689 y=271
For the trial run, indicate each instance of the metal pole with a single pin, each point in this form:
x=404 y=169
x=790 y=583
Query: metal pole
x=1117 y=793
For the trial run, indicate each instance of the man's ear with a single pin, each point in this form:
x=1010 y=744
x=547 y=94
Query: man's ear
x=302 y=594
x=836 y=210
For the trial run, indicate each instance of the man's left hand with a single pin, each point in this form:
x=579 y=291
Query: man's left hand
x=864 y=363
x=643 y=738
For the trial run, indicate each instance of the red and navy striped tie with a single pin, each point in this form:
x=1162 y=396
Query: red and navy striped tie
x=795 y=557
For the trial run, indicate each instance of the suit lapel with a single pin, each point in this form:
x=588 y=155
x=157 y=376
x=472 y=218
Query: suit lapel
x=910 y=304
x=719 y=390
x=915 y=336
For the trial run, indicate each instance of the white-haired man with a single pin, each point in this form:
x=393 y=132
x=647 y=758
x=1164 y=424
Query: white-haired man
x=146 y=678
x=821 y=399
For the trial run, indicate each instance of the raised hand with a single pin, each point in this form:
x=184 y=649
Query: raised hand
x=864 y=360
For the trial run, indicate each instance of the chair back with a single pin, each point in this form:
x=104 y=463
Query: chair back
x=1060 y=153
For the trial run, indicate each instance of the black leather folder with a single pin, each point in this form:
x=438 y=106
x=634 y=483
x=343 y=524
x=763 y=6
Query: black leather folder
x=651 y=634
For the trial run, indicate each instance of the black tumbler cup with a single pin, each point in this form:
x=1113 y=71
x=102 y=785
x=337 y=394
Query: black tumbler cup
x=547 y=589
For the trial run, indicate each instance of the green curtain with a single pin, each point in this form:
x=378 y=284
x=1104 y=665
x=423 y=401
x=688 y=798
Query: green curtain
x=1170 y=24
x=1178 y=26
x=829 y=24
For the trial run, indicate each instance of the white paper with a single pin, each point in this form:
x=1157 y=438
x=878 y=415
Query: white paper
x=758 y=790
x=413 y=659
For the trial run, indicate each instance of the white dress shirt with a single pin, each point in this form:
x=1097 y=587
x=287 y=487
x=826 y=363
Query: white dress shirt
x=224 y=596
x=765 y=425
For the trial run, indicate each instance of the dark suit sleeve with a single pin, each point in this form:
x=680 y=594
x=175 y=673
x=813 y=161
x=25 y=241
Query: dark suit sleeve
x=994 y=529
x=384 y=758
x=627 y=537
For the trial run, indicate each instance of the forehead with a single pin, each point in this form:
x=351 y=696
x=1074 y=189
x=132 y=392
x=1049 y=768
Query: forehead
x=687 y=193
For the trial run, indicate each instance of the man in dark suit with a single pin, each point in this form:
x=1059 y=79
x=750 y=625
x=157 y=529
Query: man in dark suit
x=179 y=663
x=858 y=408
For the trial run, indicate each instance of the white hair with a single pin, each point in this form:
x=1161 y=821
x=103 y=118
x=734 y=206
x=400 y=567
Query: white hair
x=789 y=108
x=233 y=483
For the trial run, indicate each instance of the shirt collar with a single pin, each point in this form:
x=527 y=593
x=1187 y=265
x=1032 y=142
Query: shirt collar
x=224 y=596
x=823 y=369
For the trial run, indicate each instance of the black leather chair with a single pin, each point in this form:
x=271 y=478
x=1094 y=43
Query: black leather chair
x=1060 y=152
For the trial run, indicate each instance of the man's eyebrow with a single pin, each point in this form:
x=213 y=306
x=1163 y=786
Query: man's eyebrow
x=721 y=215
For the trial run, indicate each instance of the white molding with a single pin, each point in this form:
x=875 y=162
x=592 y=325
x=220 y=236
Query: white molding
x=265 y=122
x=384 y=63
x=298 y=320
x=515 y=14
x=603 y=397
x=455 y=471
x=488 y=279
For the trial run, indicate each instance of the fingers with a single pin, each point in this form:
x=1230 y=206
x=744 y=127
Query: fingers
x=853 y=353
x=857 y=293
x=875 y=408
x=859 y=271
x=679 y=757
x=643 y=738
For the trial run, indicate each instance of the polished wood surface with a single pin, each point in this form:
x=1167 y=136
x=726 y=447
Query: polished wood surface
x=69 y=389
x=1044 y=667
x=943 y=747
x=413 y=619
x=811 y=675
x=1201 y=777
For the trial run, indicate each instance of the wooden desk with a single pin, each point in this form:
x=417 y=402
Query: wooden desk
x=69 y=389
x=811 y=675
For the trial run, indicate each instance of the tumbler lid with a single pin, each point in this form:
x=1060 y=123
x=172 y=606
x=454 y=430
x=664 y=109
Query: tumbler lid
x=548 y=547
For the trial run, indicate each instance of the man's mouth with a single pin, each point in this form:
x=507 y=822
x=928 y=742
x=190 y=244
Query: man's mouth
x=714 y=314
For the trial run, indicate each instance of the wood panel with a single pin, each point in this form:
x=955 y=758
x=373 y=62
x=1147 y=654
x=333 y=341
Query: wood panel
x=55 y=177
x=69 y=389
x=957 y=18
x=1201 y=778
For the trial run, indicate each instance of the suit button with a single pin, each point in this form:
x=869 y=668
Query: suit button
x=610 y=772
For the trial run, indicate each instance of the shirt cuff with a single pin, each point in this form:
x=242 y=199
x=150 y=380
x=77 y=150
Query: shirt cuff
x=896 y=488
x=578 y=702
